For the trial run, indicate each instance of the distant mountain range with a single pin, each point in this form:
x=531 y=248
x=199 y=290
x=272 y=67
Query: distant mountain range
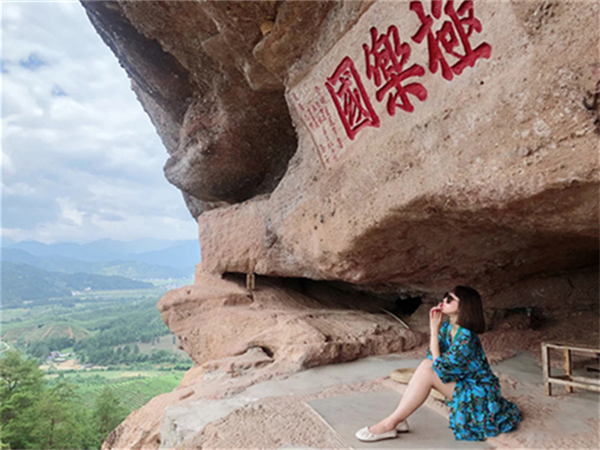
x=33 y=270
x=139 y=259
x=26 y=264
x=130 y=269
x=21 y=282
x=178 y=254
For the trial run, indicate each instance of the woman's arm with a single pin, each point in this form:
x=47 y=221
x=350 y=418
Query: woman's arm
x=435 y=324
x=434 y=346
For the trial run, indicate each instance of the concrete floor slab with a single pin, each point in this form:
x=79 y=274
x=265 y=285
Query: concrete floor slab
x=293 y=447
x=182 y=421
x=561 y=421
x=523 y=367
x=347 y=414
x=571 y=413
x=314 y=380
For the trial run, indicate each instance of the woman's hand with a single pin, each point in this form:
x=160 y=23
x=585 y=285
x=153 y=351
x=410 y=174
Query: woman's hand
x=435 y=319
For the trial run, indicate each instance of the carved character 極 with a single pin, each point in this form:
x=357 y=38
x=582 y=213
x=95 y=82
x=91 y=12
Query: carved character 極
x=450 y=37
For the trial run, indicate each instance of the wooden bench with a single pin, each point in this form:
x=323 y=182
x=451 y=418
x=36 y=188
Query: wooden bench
x=568 y=380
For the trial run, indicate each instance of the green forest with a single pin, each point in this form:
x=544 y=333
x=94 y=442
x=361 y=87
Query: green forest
x=36 y=414
x=72 y=368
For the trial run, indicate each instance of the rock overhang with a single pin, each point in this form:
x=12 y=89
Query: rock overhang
x=414 y=145
x=496 y=164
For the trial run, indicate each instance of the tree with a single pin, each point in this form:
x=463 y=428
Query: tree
x=108 y=413
x=34 y=416
x=3 y=443
x=16 y=373
x=19 y=419
x=38 y=349
x=21 y=388
x=61 y=421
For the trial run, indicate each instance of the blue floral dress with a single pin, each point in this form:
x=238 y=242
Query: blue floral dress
x=477 y=410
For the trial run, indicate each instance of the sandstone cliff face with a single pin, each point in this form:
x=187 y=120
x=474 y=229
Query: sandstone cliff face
x=362 y=158
x=466 y=188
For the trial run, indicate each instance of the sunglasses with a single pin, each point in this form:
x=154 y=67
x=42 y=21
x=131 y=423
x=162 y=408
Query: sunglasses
x=448 y=298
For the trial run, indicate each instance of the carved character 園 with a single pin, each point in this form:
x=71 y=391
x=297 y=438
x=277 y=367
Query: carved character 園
x=350 y=99
x=386 y=59
x=452 y=38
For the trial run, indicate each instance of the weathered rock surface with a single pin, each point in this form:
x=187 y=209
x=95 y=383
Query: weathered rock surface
x=325 y=147
x=495 y=180
x=297 y=323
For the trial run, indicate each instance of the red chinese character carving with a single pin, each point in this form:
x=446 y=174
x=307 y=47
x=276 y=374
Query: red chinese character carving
x=350 y=99
x=385 y=63
x=452 y=34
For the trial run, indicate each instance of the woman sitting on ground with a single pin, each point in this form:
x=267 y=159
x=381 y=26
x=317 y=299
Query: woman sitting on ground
x=458 y=368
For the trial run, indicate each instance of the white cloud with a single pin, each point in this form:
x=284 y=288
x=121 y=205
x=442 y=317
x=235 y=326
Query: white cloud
x=10 y=14
x=102 y=225
x=18 y=189
x=66 y=109
x=69 y=211
x=81 y=160
x=6 y=164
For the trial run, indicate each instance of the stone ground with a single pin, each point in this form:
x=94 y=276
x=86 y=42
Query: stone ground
x=324 y=406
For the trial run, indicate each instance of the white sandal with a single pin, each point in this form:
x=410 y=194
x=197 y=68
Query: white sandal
x=403 y=427
x=365 y=435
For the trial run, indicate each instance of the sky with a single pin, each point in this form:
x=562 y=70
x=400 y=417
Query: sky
x=81 y=160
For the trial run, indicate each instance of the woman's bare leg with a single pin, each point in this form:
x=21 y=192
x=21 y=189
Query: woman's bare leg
x=417 y=391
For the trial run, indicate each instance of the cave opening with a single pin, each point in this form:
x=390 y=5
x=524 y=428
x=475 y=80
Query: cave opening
x=328 y=294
